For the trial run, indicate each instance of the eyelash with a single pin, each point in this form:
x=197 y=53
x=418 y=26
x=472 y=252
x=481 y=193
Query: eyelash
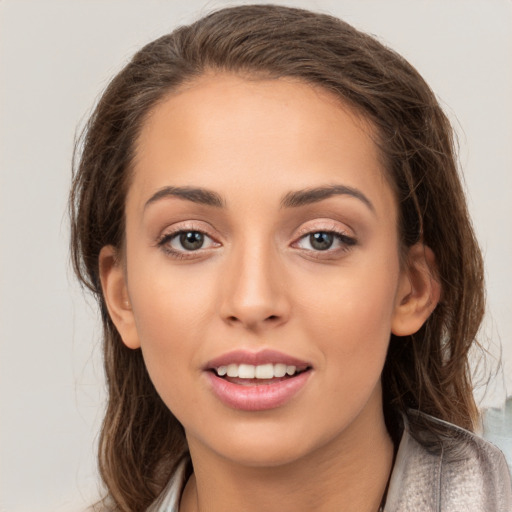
x=346 y=242
x=165 y=240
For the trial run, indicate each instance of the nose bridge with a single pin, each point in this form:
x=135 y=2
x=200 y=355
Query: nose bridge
x=254 y=292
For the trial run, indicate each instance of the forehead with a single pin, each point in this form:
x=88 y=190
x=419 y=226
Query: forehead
x=228 y=131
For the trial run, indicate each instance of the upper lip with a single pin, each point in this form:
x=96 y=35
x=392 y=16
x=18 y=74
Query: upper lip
x=255 y=358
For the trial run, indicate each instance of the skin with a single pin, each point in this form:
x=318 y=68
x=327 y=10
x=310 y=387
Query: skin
x=258 y=283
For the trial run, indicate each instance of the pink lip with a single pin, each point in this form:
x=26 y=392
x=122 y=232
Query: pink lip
x=257 y=397
x=255 y=358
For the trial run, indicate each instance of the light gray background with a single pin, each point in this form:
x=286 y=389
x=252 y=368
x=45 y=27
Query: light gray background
x=55 y=58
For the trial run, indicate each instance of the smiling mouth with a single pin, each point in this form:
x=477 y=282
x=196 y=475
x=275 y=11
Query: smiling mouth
x=250 y=375
x=257 y=381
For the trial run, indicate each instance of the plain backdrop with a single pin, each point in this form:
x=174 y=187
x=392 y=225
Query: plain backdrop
x=55 y=58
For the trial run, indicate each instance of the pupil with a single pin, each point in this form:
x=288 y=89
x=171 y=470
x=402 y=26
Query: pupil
x=321 y=241
x=192 y=240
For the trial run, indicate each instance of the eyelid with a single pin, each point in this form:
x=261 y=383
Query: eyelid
x=323 y=225
x=187 y=225
x=346 y=240
x=169 y=233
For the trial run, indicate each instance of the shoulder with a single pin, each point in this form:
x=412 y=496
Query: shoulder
x=445 y=468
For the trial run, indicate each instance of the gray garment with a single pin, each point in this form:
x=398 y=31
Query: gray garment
x=457 y=472
x=454 y=472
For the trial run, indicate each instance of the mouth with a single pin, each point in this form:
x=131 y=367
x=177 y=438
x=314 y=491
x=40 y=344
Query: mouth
x=262 y=374
x=257 y=381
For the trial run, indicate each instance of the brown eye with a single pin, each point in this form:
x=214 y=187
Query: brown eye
x=191 y=240
x=187 y=243
x=325 y=241
x=321 y=241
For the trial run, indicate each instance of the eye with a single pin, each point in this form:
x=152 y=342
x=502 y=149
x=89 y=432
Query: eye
x=324 y=241
x=189 y=240
x=321 y=241
x=184 y=241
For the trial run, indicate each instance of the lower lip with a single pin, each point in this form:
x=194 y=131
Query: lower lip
x=257 y=397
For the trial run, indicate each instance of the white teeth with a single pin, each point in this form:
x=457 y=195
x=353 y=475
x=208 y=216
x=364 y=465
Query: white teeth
x=232 y=370
x=279 y=370
x=262 y=371
x=246 y=371
x=265 y=371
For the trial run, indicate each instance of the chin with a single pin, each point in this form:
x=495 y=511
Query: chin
x=264 y=455
x=267 y=443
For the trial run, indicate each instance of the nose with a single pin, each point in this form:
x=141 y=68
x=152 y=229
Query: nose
x=254 y=289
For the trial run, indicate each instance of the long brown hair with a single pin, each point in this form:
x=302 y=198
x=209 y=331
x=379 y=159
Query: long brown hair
x=141 y=442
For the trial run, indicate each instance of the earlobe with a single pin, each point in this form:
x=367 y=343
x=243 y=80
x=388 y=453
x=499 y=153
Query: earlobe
x=115 y=292
x=419 y=291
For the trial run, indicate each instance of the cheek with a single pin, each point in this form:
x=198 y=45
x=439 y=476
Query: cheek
x=169 y=301
x=352 y=300
x=351 y=321
x=170 y=311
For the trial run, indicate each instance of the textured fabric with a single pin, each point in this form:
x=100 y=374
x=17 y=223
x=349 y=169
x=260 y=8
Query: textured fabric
x=455 y=471
x=452 y=471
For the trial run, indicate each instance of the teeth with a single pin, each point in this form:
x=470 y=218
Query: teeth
x=279 y=370
x=262 y=371
x=246 y=371
x=232 y=370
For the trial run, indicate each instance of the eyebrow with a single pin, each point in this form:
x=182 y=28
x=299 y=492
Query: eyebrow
x=194 y=194
x=290 y=200
x=315 y=195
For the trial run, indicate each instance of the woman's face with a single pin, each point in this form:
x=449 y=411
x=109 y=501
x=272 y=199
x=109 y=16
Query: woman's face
x=261 y=241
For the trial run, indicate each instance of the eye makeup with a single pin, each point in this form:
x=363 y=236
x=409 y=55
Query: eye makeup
x=317 y=239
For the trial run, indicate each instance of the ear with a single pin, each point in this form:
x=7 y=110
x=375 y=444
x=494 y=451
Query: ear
x=115 y=292
x=419 y=291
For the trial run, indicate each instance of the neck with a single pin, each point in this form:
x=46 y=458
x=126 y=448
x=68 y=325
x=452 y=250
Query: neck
x=349 y=473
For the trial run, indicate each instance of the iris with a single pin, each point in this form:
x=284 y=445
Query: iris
x=191 y=240
x=321 y=241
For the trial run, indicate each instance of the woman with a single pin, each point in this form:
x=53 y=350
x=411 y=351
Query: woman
x=268 y=210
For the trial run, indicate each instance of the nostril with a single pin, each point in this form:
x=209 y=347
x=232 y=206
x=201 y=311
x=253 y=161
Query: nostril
x=270 y=318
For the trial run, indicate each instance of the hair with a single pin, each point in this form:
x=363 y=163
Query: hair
x=141 y=442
